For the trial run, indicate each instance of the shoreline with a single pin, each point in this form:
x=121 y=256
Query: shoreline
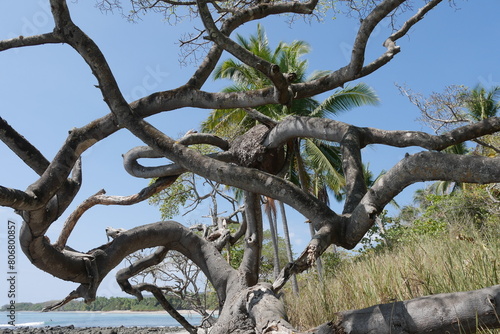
x=71 y=329
x=93 y=330
x=182 y=312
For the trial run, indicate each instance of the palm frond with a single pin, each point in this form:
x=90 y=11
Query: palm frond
x=346 y=99
x=460 y=148
x=324 y=160
x=289 y=59
x=225 y=122
x=482 y=103
x=241 y=40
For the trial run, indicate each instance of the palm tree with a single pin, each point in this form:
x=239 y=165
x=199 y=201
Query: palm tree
x=270 y=210
x=234 y=122
x=316 y=166
x=289 y=254
x=481 y=103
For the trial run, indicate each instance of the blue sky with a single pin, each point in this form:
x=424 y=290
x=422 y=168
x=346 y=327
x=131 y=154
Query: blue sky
x=47 y=90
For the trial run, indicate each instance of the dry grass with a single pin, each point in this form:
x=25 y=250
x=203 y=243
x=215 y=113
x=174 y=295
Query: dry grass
x=427 y=266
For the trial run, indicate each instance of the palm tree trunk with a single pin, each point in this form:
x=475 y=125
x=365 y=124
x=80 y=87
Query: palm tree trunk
x=295 y=286
x=274 y=235
x=383 y=231
x=303 y=185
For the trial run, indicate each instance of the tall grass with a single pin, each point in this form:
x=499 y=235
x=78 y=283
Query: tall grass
x=429 y=265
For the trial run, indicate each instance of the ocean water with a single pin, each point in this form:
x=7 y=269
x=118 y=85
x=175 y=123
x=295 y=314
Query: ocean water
x=94 y=319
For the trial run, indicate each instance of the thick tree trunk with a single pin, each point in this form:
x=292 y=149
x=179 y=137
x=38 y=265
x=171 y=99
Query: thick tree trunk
x=461 y=312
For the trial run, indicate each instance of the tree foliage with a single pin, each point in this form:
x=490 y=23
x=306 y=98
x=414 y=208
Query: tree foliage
x=149 y=303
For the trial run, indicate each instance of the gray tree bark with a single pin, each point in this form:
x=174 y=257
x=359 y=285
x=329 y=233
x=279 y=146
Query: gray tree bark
x=461 y=312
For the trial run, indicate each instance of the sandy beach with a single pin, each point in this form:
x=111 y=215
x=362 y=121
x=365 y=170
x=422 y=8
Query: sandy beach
x=183 y=312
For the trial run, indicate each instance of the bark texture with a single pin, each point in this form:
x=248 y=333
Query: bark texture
x=461 y=312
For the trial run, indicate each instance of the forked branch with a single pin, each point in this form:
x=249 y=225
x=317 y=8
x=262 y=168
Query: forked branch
x=100 y=199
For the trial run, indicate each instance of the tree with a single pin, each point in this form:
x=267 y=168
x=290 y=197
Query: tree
x=481 y=103
x=315 y=165
x=456 y=106
x=249 y=162
x=186 y=283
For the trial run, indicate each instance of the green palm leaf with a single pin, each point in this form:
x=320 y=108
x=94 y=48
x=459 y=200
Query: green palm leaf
x=482 y=103
x=324 y=160
x=346 y=99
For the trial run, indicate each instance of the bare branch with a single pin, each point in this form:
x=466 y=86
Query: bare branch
x=271 y=71
x=123 y=275
x=423 y=166
x=255 y=114
x=23 y=148
x=49 y=38
x=135 y=169
x=356 y=68
x=331 y=130
x=411 y=22
x=158 y=294
x=100 y=199
x=485 y=144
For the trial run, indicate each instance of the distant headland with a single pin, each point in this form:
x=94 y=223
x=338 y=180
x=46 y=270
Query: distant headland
x=104 y=304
